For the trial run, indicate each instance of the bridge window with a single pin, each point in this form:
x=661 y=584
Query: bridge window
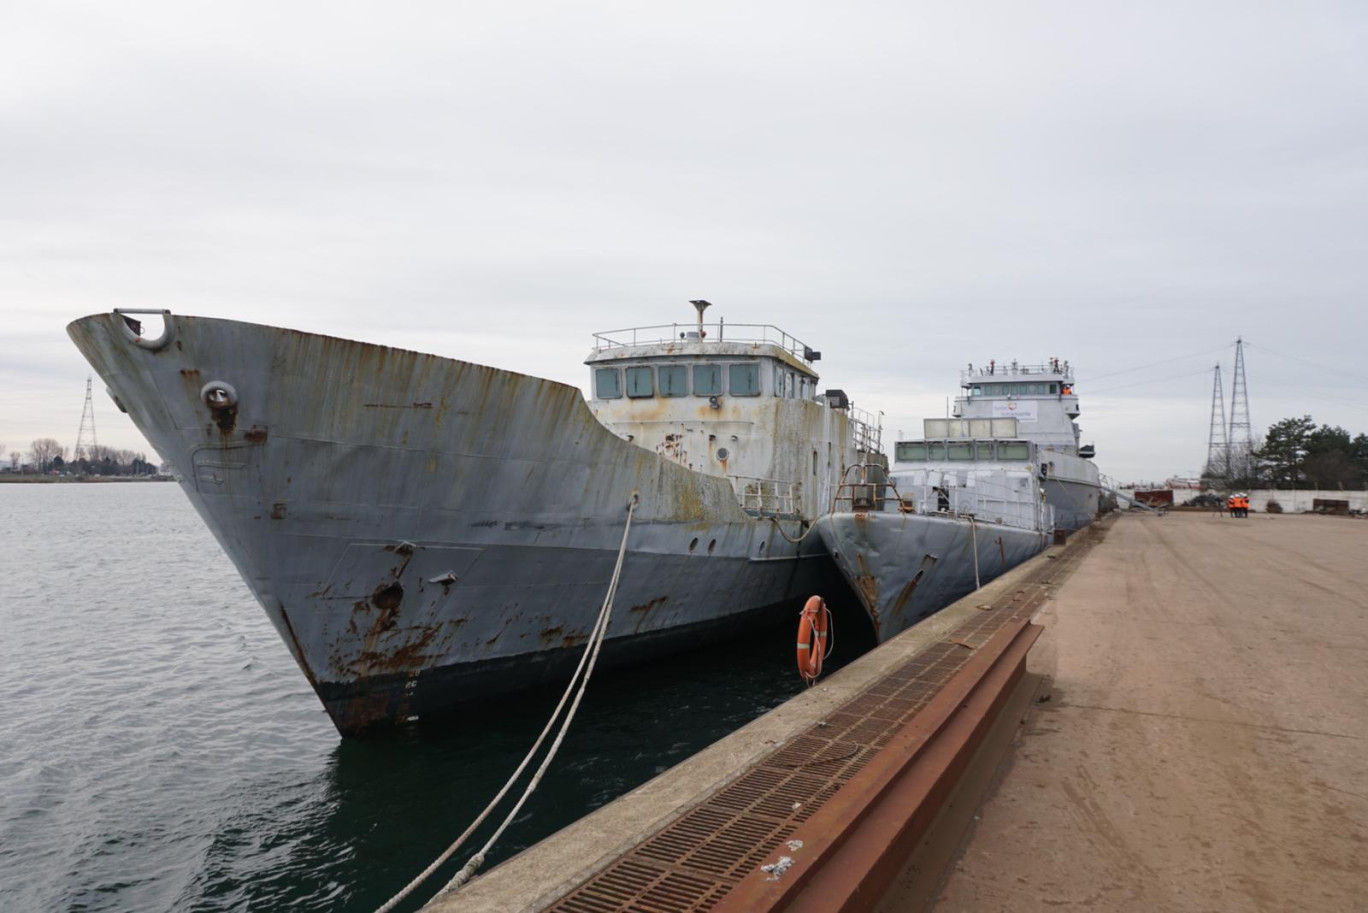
x=959 y=450
x=674 y=380
x=906 y=452
x=607 y=383
x=640 y=382
x=707 y=380
x=1013 y=450
x=1054 y=388
x=935 y=451
x=778 y=380
x=744 y=379
x=983 y=450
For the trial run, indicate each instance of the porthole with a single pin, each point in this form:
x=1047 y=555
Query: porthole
x=694 y=544
x=712 y=544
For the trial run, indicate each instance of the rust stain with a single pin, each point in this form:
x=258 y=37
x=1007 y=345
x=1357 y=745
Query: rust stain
x=574 y=640
x=386 y=598
x=257 y=435
x=868 y=587
x=906 y=592
x=643 y=611
x=278 y=510
x=226 y=419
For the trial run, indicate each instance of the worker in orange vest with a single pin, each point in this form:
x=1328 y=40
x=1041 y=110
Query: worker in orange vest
x=1230 y=505
x=1242 y=504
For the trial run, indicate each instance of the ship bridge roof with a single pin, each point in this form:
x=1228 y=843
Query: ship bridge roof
x=993 y=372
x=716 y=340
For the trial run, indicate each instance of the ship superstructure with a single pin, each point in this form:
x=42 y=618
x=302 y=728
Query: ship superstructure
x=1043 y=400
x=425 y=532
x=979 y=493
x=954 y=510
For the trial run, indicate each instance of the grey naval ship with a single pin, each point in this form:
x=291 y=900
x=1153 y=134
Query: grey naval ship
x=425 y=532
x=979 y=494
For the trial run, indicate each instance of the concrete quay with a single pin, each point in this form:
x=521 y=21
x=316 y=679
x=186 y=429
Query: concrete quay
x=1200 y=737
x=688 y=838
x=1191 y=736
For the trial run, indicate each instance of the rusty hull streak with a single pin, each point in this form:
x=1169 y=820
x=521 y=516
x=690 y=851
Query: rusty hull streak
x=905 y=594
x=643 y=611
x=868 y=587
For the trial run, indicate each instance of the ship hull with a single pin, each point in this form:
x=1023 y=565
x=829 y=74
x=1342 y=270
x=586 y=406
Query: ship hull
x=1075 y=503
x=425 y=532
x=906 y=567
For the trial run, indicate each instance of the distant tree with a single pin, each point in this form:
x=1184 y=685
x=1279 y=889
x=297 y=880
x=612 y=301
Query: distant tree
x=1332 y=469
x=1284 y=449
x=1327 y=439
x=1358 y=453
x=43 y=450
x=15 y=459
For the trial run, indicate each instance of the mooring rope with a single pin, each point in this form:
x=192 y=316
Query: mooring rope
x=973 y=533
x=586 y=666
x=807 y=532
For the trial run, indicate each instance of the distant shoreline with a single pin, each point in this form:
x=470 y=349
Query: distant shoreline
x=19 y=479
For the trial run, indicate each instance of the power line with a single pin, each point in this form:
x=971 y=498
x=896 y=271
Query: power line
x=1154 y=364
x=1326 y=398
x=1153 y=380
x=1308 y=362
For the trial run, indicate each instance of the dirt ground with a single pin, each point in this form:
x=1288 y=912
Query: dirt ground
x=1204 y=744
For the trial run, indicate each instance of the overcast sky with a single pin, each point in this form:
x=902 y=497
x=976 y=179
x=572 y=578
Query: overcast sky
x=907 y=187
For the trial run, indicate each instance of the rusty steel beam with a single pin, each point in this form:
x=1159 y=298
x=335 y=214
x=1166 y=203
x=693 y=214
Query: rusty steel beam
x=854 y=846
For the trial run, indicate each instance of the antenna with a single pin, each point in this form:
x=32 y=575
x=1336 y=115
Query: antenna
x=85 y=437
x=700 y=305
x=1218 y=445
x=1241 y=435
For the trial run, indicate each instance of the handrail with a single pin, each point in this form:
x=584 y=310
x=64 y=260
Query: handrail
x=1054 y=368
x=754 y=333
x=767 y=497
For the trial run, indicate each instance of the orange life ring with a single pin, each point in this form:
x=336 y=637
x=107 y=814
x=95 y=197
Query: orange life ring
x=812 y=638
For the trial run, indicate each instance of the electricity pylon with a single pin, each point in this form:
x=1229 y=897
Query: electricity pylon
x=85 y=438
x=1218 y=444
x=1240 y=436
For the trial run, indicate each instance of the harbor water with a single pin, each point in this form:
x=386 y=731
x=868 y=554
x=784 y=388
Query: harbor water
x=160 y=750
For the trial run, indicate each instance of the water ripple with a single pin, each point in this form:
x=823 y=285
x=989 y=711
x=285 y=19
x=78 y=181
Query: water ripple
x=161 y=751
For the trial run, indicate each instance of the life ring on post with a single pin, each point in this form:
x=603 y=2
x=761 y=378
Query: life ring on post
x=813 y=625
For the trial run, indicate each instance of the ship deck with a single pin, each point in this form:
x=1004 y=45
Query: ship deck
x=1190 y=735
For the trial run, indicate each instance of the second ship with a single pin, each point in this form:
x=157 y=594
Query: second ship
x=980 y=493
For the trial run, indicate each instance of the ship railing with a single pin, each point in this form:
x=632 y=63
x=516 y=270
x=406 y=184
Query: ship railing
x=866 y=488
x=1054 y=368
x=768 y=497
x=867 y=430
x=752 y=333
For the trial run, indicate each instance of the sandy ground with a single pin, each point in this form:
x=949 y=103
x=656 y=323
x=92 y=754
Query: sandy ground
x=1205 y=741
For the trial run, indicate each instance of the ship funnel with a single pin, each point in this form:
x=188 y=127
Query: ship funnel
x=700 y=305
